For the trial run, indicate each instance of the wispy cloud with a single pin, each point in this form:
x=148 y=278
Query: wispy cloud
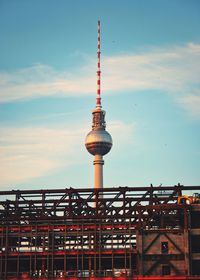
x=32 y=152
x=191 y=103
x=170 y=69
x=42 y=80
x=26 y=153
x=173 y=70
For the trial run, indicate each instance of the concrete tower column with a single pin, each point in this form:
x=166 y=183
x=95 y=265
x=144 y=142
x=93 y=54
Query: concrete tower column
x=98 y=142
x=98 y=171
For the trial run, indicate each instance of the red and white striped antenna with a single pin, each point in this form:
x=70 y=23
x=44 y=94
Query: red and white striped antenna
x=98 y=98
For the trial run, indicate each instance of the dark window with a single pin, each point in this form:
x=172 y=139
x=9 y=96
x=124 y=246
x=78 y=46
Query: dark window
x=164 y=247
x=196 y=267
x=195 y=243
x=166 y=270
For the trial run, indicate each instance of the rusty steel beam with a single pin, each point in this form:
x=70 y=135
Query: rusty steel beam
x=105 y=190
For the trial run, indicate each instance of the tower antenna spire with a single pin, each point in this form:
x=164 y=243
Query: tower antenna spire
x=98 y=98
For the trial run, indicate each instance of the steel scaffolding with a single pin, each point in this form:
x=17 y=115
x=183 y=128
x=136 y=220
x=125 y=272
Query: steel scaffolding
x=124 y=232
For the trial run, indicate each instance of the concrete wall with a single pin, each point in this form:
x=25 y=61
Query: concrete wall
x=150 y=252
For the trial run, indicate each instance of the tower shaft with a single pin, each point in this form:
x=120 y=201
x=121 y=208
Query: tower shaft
x=98 y=119
x=98 y=171
x=98 y=142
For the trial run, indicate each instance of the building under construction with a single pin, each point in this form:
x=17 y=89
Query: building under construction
x=131 y=233
x=100 y=233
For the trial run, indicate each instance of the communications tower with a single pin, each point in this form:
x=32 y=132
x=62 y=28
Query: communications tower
x=98 y=141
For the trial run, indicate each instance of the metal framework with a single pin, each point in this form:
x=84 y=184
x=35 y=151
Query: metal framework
x=125 y=232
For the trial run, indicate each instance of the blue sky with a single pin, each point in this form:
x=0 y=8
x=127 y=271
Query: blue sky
x=150 y=91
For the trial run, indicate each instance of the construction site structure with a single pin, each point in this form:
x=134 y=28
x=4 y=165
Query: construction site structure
x=131 y=233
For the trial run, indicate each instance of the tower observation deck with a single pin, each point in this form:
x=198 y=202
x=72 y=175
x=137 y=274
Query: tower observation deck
x=98 y=142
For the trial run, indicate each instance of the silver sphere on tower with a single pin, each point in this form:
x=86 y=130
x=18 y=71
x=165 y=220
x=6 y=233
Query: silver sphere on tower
x=98 y=141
